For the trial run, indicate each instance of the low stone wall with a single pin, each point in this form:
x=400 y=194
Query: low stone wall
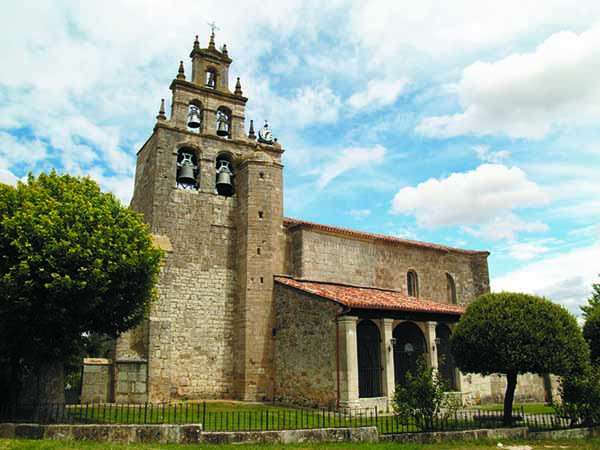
x=181 y=434
x=192 y=434
x=572 y=433
x=165 y=434
x=467 y=435
x=365 y=434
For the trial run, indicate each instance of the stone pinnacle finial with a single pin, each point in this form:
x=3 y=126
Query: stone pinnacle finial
x=238 y=87
x=196 y=43
x=224 y=50
x=180 y=72
x=251 y=133
x=161 y=111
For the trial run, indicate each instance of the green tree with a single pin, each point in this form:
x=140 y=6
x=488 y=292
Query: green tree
x=73 y=262
x=593 y=301
x=580 y=396
x=591 y=332
x=513 y=333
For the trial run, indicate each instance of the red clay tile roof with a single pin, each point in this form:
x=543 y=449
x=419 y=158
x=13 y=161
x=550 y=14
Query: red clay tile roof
x=289 y=222
x=370 y=298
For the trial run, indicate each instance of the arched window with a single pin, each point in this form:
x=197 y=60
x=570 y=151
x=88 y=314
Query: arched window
x=450 y=289
x=369 y=359
x=224 y=175
x=187 y=169
x=224 y=122
x=409 y=346
x=194 y=117
x=211 y=78
x=412 y=283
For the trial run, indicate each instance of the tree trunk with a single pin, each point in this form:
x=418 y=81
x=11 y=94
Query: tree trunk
x=511 y=384
x=44 y=384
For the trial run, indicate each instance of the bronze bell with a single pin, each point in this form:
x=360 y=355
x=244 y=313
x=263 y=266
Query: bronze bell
x=186 y=175
x=222 y=128
x=194 y=119
x=224 y=185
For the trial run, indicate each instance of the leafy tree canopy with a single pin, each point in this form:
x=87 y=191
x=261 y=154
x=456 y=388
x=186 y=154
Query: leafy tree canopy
x=593 y=301
x=73 y=260
x=514 y=333
x=591 y=332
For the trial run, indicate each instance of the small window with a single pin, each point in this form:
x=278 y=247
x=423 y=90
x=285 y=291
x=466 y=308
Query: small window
x=211 y=78
x=223 y=122
x=451 y=289
x=187 y=169
x=224 y=176
x=412 y=283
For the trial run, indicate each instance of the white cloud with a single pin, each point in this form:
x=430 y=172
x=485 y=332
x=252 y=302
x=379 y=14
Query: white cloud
x=360 y=213
x=527 y=94
x=485 y=196
x=378 y=93
x=484 y=154
x=505 y=226
x=524 y=251
x=565 y=278
x=350 y=159
x=7 y=177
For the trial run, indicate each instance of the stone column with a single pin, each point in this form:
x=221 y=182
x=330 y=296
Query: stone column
x=431 y=346
x=348 y=358
x=387 y=357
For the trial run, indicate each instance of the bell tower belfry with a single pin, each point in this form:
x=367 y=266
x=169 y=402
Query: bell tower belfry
x=213 y=197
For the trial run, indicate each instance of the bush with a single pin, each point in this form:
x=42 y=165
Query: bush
x=581 y=398
x=422 y=396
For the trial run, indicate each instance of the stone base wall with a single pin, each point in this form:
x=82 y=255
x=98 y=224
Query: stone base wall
x=304 y=349
x=477 y=389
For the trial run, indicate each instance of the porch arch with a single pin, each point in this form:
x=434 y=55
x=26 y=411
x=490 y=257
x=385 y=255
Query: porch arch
x=369 y=359
x=409 y=346
x=446 y=364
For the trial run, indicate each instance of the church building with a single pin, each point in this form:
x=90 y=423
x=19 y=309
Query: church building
x=252 y=305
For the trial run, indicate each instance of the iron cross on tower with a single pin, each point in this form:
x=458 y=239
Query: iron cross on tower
x=213 y=26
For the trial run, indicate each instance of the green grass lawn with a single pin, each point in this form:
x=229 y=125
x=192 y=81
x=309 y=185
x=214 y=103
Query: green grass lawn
x=243 y=416
x=529 y=408
x=588 y=444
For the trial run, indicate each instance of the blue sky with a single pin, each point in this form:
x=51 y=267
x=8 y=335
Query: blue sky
x=472 y=124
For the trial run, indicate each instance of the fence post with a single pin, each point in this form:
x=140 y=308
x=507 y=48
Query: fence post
x=204 y=415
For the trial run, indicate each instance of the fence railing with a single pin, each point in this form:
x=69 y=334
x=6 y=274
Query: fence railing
x=266 y=418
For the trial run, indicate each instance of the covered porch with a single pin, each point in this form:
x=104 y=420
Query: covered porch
x=380 y=335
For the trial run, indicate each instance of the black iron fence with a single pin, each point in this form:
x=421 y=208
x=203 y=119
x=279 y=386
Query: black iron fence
x=214 y=417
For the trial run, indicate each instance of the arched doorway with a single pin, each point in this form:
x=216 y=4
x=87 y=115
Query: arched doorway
x=409 y=346
x=369 y=359
x=446 y=365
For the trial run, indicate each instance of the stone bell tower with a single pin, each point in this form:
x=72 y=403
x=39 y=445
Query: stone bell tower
x=212 y=196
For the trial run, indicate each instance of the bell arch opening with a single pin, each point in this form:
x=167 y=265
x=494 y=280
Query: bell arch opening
x=409 y=347
x=446 y=364
x=210 y=78
x=223 y=122
x=194 y=116
x=187 y=172
x=224 y=175
x=369 y=359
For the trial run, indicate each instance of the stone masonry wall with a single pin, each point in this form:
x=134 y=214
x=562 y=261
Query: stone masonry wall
x=305 y=349
x=328 y=257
